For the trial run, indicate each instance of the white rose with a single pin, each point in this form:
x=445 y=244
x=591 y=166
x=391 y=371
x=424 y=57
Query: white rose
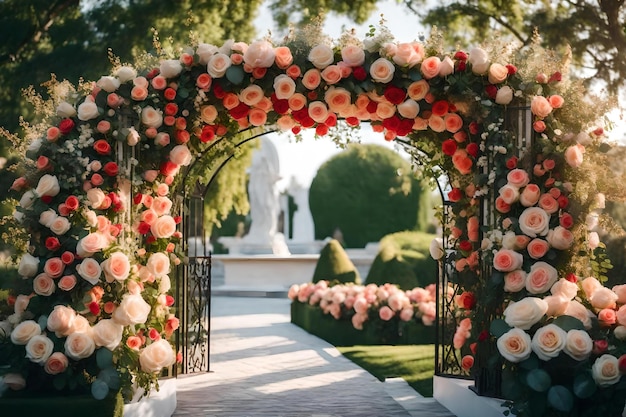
x=259 y=54
x=89 y=269
x=24 y=331
x=578 y=345
x=509 y=240
x=560 y=238
x=29 y=265
x=60 y=226
x=158 y=264
x=87 y=110
x=579 y=311
x=107 y=333
x=65 y=109
x=525 y=313
x=48 y=186
x=504 y=95
x=47 y=217
x=133 y=137
x=548 y=342
x=35 y=145
x=620 y=332
x=436 y=248
x=353 y=55
x=61 y=320
x=14 y=381
x=165 y=284
x=218 y=64
x=605 y=371
x=557 y=305
x=116 y=267
x=447 y=67
x=479 y=60
x=108 y=83
x=125 y=73
x=91 y=217
x=205 y=51
x=151 y=117
x=321 y=56
x=382 y=70
x=39 y=348
x=79 y=345
x=27 y=200
x=514 y=345
x=96 y=197
x=180 y=155
x=603 y=298
x=156 y=356
x=564 y=288
x=170 y=68
x=409 y=109
x=132 y=310
x=534 y=221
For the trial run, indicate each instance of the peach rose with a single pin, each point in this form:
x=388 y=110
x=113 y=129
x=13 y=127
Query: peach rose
x=132 y=310
x=180 y=155
x=620 y=291
x=418 y=90
x=564 y=288
x=79 y=345
x=337 y=99
x=537 y=248
x=548 y=341
x=405 y=55
x=560 y=238
x=151 y=117
x=518 y=178
x=534 y=221
x=353 y=55
x=382 y=70
x=163 y=227
x=25 y=331
x=603 y=298
x=556 y=101
x=61 y=320
x=430 y=67
x=574 y=155
x=578 y=345
x=607 y=317
x=285 y=122
x=218 y=64
x=251 y=95
x=507 y=260
x=158 y=264
x=311 y=79
x=605 y=371
x=447 y=67
x=504 y=95
x=108 y=334
x=621 y=315
x=548 y=203
x=284 y=87
x=331 y=74
x=257 y=117
x=43 y=285
x=557 y=305
x=54 y=267
x=89 y=269
x=461 y=161
x=525 y=313
x=453 y=122
x=589 y=285
x=497 y=73
x=321 y=56
x=515 y=281
x=540 y=106
x=283 y=57
x=514 y=345
x=208 y=113
x=509 y=193
x=67 y=282
x=39 y=348
x=57 y=363
x=21 y=303
x=156 y=356
x=116 y=267
x=161 y=205
x=541 y=278
x=318 y=111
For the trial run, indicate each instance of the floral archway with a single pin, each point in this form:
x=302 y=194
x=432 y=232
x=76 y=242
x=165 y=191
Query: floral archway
x=95 y=308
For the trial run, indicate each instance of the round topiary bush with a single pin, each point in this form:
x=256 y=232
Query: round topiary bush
x=335 y=265
x=404 y=260
x=367 y=192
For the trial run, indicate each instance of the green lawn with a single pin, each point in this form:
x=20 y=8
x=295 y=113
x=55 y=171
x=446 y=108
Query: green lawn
x=414 y=363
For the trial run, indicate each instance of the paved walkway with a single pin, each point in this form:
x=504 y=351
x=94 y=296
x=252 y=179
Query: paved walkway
x=262 y=365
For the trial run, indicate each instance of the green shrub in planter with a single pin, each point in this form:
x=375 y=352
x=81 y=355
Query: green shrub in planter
x=334 y=265
x=404 y=259
x=17 y=404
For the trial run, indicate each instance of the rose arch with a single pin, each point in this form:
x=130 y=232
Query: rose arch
x=521 y=294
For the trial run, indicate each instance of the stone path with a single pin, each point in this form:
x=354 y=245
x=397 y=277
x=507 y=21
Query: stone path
x=262 y=365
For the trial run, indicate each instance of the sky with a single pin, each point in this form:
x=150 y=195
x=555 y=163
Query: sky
x=301 y=160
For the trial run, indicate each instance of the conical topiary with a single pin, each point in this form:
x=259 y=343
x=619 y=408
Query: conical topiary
x=335 y=265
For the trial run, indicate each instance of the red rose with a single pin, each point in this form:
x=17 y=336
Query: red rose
x=52 y=244
x=440 y=107
x=240 y=111
x=67 y=257
x=462 y=66
x=359 y=73
x=307 y=122
x=143 y=228
x=460 y=55
x=153 y=73
x=448 y=147
x=392 y=123
x=168 y=168
x=484 y=335
x=512 y=69
x=311 y=95
x=556 y=77
x=218 y=91
x=372 y=106
x=455 y=195
x=465 y=245
x=321 y=129
x=169 y=300
x=66 y=126
x=154 y=334
x=394 y=94
x=474 y=128
x=47 y=199
x=102 y=147
x=352 y=121
x=171 y=109
x=207 y=135
x=621 y=363
x=111 y=169
x=296 y=129
x=281 y=106
x=491 y=91
x=566 y=220
x=511 y=163
x=467 y=300
x=182 y=136
x=472 y=149
x=563 y=201
x=331 y=120
x=138 y=198
x=169 y=93
x=406 y=127
x=178 y=219
x=571 y=277
x=600 y=346
x=94 y=308
x=72 y=203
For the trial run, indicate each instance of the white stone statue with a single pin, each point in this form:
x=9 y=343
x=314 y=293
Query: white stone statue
x=263 y=194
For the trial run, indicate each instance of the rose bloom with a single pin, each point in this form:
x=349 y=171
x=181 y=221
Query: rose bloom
x=461 y=161
x=28 y=266
x=479 y=60
x=25 y=331
x=311 y=79
x=67 y=282
x=156 y=356
x=218 y=64
x=48 y=186
x=89 y=269
x=509 y=193
x=385 y=313
x=504 y=95
x=382 y=70
x=453 y=122
x=537 y=248
x=603 y=298
x=574 y=155
x=321 y=56
x=525 y=313
x=331 y=74
x=21 y=303
x=578 y=345
x=43 y=285
x=589 y=285
x=605 y=371
x=337 y=98
x=161 y=205
x=61 y=320
x=607 y=317
x=284 y=87
x=170 y=68
x=257 y=117
x=108 y=334
x=163 y=227
x=39 y=348
x=430 y=67
x=116 y=267
x=534 y=221
x=560 y=238
x=579 y=311
x=57 y=363
x=158 y=264
x=540 y=107
x=515 y=281
x=251 y=95
x=132 y=310
x=514 y=345
x=518 y=178
x=620 y=333
x=54 y=267
x=318 y=111
x=87 y=110
x=548 y=342
x=283 y=57
x=497 y=73
x=108 y=83
x=541 y=278
x=620 y=291
x=353 y=55
x=548 y=203
x=507 y=260
x=564 y=288
x=447 y=67
x=79 y=345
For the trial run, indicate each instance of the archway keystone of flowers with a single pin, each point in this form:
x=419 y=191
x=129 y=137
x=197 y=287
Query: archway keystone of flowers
x=95 y=300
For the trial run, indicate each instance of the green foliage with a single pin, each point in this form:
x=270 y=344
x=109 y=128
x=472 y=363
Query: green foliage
x=334 y=265
x=367 y=192
x=616 y=251
x=404 y=259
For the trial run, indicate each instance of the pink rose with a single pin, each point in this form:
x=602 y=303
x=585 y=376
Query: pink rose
x=321 y=56
x=514 y=345
x=311 y=79
x=54 y=267
x=603 y=298
x=382 y=70
x=358 y=320
x=43 y=285
x=560 y=238
x=518 y=178
x=590 y=285
x=116 y=267
x=61 y=320
x=218 y=64
x=158 y=264
x=621 y=315
x=541 y=278
x=548 y=341
x=163 y=227
x=385 y=313
x=353 y=55
x=430 y=67
x=406 y=56
x=530 y=195
x=579 y=311
x=259 y=54
x=89 y=269
x=564 y=288
x=540 y=107
x=515 y=281
x=108 y=334
x=331 y=74
x=620 y=291
x=537 y=248
x=548 y=203
x=180 y=155
x=57 y=363
x=507 y=260
x=534 y=221
x=79 y=345
x=447 y=67
x=574 y=155
x=509 y=193
x=557 y=305
x=607 y=317
x=67 y=282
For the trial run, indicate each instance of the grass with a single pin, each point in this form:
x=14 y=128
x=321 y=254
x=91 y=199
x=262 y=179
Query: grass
x=413 y=363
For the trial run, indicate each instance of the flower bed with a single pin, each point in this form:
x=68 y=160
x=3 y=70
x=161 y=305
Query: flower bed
x=346 y=315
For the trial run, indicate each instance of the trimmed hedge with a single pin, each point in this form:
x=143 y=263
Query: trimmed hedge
x=334 y=265
x=61 y=406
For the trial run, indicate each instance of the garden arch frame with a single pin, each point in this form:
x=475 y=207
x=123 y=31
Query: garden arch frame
x=98 y=199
